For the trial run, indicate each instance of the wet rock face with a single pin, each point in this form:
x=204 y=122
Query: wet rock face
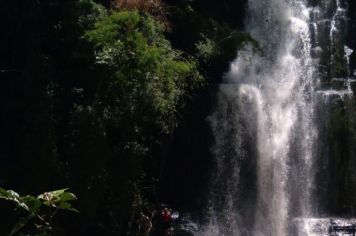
x=336 y=116
x=352 y=31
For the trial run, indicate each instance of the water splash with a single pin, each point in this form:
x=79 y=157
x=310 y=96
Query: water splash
x=339 y=15
x=264 y=121
x=322 y=226
x=268 y=99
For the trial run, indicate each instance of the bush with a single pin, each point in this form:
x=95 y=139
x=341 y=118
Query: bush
x=39 y=211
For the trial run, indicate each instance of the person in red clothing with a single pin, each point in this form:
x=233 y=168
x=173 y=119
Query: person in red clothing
x=162 y=221
x=166 y=218
x=166 y=215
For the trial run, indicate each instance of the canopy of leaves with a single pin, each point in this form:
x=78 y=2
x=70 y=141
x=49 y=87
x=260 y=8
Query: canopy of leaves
x=146 y=78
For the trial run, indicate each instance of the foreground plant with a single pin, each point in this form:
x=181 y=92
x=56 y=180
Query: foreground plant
x=40 y=210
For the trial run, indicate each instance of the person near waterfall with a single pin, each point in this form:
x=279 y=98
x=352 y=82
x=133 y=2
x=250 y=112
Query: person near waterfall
x=166 y=218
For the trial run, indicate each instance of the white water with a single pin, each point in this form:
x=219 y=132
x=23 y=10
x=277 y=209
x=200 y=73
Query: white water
x=271 y=95
x=282 y=91
x=266 y=103
x=321 y=226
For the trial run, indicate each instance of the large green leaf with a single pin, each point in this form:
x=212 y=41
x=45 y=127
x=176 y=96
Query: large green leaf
x=33 y=203
x=67 y=196
x=8 y=194
x=66 y=206
x=51 y=196
x=13 y=196
x=58 y=199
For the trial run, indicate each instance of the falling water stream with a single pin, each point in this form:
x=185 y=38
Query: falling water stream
x=264 y=121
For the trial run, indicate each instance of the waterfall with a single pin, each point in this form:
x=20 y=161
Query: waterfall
x=264 y=121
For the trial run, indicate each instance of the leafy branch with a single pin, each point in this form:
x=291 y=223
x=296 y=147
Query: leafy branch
x=41 y=209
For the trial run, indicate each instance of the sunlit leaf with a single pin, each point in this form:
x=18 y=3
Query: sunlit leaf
x=67 y=196
x=13 y=196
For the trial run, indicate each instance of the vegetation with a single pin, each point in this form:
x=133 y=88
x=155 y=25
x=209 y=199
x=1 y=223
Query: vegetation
x=39 y=211
x=93 y=93
x=110 y=98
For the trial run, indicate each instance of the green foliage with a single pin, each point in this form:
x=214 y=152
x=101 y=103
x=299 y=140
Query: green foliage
x=40 y=210
x=90 y=95
x=147 y=78
x=58 y=199
x=212 y=42
x=223 y=44
x=141 y=86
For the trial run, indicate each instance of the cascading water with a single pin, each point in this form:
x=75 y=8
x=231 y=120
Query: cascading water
x=264 y=121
